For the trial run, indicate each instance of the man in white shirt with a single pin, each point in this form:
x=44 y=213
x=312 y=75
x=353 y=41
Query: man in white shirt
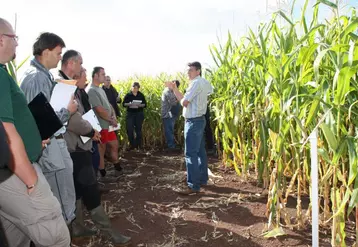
x=194 y=103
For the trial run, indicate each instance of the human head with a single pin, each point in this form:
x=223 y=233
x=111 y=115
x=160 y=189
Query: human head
x=48 y=49
x=8 y=42
x=98 y=75
x=107 y=82
x=194 y=70
x=71 y=63
x=81 y=79
x=135 y=87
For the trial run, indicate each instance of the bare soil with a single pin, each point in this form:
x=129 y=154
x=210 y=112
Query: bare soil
x=229 y=212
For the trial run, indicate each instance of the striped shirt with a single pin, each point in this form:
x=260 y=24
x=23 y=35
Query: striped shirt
x=197 y=94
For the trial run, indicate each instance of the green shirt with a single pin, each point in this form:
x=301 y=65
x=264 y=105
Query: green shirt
x=14 y=109
x=97 y=97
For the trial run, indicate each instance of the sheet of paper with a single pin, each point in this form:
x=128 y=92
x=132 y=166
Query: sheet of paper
x=61 y=96
x=85 y=139
x=136 y=102
x=111 y=128
x=91 y=117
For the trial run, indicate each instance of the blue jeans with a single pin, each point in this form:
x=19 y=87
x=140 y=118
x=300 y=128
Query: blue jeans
x=169 y=131
x=195 y=154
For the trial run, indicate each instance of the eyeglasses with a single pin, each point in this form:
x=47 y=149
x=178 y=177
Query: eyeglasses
x=13 y=36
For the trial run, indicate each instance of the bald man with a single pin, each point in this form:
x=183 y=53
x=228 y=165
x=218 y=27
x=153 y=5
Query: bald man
x=28 y=209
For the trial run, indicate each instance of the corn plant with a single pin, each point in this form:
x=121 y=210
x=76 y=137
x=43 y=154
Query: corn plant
x=13 y=68
x=273 y=87
x=152 y=88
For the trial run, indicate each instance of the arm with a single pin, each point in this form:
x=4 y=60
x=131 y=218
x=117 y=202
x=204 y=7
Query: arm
x=125 y=101
x=144 y=102
x=79 y=126
x=194 y=89
x=20 y=165
x=180 y=97
x=102 y=113
x=95 y=102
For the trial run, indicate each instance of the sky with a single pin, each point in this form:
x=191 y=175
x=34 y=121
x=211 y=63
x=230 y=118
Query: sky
x=144 y=37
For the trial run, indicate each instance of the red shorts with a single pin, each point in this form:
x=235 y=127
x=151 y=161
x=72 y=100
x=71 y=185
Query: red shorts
x=107 y=136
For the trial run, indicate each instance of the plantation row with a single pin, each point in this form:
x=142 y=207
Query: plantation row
x=272 y=88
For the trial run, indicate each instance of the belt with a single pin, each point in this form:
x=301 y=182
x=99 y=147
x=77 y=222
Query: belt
x=60 y=136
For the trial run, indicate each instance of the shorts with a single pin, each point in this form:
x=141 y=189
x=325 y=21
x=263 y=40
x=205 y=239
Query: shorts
x=107 y=136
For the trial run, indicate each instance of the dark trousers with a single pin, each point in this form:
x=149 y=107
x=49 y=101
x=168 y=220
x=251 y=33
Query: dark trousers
x=95 y=157
x=134 y=122
x=85 y=181
x=209 y=137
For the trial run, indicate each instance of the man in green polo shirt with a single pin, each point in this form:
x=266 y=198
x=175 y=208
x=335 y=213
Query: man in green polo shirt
x=28 y=209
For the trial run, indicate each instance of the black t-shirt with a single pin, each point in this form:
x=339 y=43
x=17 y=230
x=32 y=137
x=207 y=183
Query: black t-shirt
x=5 y=173
x=130 y=97
x=112 y=96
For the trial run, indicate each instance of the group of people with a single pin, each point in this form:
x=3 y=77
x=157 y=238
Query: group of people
x=44 y=184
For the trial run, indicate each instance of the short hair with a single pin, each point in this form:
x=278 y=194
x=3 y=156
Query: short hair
x=69 y=55
x=83 y=70
x=136 y=84
x=197 y=65
x=177 y=82
x=96 y=70
x=47 y=41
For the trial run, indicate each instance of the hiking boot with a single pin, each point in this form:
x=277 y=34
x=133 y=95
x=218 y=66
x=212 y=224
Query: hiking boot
x=102 y=221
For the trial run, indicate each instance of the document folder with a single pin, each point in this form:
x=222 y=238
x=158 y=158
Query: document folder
x=46 y=118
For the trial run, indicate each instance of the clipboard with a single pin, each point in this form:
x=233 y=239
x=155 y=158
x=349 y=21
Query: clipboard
x=45 y=116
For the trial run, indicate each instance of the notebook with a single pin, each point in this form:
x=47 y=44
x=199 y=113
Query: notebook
x=46 y=119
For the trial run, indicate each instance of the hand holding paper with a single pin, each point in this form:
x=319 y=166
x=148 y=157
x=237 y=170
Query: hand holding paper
x=61 y=96
x=72 y=105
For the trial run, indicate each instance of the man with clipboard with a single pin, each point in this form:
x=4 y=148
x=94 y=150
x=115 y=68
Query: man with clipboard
x=55 y=162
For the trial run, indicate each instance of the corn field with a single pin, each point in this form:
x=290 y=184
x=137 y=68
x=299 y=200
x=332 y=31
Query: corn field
x=152 y=88
x=273 y=88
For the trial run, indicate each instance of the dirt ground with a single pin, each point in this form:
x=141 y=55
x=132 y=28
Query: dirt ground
x=229 y=212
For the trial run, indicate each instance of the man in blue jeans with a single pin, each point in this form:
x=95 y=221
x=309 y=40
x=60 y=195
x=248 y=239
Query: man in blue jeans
x=194 y=103
x=170 y=109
